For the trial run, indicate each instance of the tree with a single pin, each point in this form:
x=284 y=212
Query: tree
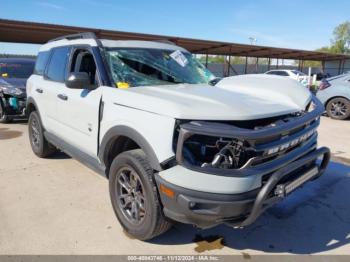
x=341 y=39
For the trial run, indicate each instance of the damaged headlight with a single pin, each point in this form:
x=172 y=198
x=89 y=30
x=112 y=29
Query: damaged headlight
x=11 y=90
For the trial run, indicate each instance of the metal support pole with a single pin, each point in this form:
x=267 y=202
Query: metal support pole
x=277 y=64
x=257 y=65
x=323 y=66
x=206 y=61
x=224 y=67
x=339 y=67
x=229 y=65
x=343 y=66
x=246 y=64
x=302 y=66
x=269 y=64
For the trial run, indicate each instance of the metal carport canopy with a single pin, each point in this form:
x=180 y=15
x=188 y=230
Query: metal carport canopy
x=39 y=33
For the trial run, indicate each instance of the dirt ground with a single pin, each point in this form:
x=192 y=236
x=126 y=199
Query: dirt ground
x=58 y=206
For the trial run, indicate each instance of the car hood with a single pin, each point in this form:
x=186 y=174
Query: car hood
x=16 y=82
x=234 y=98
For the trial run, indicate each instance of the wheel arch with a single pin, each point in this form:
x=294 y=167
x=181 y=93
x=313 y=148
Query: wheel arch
x=119 y=138
x=31 y=106
x=340 y=96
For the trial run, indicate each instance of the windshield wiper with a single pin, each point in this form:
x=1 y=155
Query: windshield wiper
x=214 y=81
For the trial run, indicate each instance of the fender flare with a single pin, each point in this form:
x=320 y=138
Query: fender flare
x=113 y=133
x=30 y=100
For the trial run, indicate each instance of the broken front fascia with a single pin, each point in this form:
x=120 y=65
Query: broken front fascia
x=253 y=146
x=144 y=67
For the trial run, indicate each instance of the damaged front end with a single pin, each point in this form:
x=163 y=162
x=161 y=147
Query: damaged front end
x=279 y=152
x=12 y=101
x=234 y=145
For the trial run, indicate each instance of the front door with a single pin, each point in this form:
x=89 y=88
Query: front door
x=78 y=109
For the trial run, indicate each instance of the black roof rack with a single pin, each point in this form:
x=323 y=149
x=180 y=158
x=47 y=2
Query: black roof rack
x=85 y=35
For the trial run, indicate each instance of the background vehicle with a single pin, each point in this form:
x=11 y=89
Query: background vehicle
x=173 y=147
x=320 y=76
x=334 y=93
x=13 y=76
x=293 y=74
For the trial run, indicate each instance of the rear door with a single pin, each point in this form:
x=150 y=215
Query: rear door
x=36 y=86
x=78 y=109
x=52 y=85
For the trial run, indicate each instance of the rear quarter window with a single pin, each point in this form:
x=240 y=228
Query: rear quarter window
x=56 y=70
x=41 y=62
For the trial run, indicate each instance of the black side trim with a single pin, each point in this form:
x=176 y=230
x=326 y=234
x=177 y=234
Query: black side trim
x=113 y=133
x=102 y=66
x=74 y=152
x=30 y=100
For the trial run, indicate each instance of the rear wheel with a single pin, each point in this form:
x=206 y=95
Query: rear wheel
x=134 y=196
x=40 y=146
x=338 y=108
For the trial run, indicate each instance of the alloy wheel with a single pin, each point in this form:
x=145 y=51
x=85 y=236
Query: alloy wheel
x=130 y=194
x=338 y=108
x=35 y=132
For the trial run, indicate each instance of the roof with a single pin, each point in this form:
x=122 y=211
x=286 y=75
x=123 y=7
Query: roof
x=40 y=33
x=139 y=44
x=110 y=44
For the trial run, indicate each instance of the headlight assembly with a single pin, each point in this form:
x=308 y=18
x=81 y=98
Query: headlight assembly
x=11 y=90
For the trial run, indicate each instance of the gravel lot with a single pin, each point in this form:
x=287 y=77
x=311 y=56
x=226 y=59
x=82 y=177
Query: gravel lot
x=58 y=206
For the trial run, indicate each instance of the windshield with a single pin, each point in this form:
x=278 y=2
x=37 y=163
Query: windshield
x=141 y=67
x=16 y=69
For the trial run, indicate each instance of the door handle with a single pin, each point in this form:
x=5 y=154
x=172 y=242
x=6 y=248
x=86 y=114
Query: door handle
x=62 y=96
x=39 y=90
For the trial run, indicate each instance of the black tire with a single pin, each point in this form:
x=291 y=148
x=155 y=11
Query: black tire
x=338 y=108
x=150 y=221
x=3 y=117
x=40 y=146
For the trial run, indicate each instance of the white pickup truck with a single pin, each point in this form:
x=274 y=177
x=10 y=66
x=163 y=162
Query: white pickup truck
x=175 y=143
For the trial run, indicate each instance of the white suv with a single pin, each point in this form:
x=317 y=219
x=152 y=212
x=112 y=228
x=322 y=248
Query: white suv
x=174 y=146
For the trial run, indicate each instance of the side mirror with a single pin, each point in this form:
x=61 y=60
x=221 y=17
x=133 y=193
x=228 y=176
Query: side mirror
x=78 y=80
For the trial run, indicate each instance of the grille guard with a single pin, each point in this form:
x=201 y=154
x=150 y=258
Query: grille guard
x=262 y=201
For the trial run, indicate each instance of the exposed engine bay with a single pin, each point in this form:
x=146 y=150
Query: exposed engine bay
x=215 y=152
x=201 y=150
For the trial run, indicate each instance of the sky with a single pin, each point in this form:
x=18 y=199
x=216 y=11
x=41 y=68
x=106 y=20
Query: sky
x=297 y=24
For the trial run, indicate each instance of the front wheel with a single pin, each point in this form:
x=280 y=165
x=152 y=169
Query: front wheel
x=338 y=108
x=134 y=196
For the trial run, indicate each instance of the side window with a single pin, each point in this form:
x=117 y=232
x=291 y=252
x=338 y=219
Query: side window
x=83 y=61
x=57 y=65
x=283 y=73
x=41 y=62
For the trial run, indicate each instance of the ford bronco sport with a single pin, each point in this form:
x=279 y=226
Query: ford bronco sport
x=175 y=143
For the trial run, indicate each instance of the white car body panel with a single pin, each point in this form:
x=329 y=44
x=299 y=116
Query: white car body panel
x=157 y=129
x=290 y=73
x=186 y=178
x=340 y=87
x=231 y=99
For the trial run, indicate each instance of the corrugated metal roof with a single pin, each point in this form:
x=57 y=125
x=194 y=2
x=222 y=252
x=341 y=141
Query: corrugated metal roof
x=39 y=33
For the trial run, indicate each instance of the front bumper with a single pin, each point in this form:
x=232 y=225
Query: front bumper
x=13 y=106
x=209 y=209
